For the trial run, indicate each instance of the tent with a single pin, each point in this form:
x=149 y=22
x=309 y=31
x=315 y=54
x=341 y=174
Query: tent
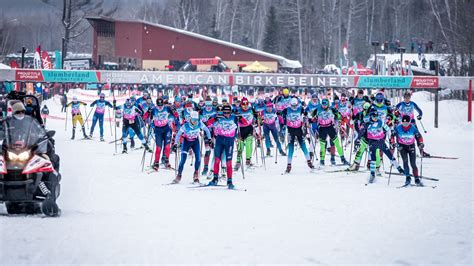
x=361 y=70
x=256 y=67
x=3 y=66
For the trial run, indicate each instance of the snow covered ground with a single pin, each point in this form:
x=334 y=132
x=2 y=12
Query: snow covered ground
x=113 y=213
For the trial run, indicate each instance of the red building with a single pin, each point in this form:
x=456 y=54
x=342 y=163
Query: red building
x=153 y=46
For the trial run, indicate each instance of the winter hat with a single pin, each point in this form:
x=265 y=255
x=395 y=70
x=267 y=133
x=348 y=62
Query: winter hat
x=18 y=106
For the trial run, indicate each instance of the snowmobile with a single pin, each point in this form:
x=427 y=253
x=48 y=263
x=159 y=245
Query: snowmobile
x=29 y=177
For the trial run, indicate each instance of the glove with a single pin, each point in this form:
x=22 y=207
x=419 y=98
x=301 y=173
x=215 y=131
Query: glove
x=174 y=148
x=421 y=146
x=418 y=117
x=114 y=102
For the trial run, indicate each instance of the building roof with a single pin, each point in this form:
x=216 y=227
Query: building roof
x=285 y=63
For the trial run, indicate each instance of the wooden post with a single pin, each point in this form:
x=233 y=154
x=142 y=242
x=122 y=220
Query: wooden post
x=436 y=108
x=436 y=96
x=469 y=102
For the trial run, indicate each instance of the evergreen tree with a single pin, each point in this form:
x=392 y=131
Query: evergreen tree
x=270 y=41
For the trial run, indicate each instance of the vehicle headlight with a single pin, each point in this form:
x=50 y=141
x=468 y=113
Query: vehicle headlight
x=19 y=157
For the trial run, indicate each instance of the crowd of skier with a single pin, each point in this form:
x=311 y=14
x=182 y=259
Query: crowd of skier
x=186 y=126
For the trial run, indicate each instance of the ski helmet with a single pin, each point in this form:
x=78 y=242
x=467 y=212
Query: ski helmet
x=406 y=118
x=286 y=91
x=269 y=105
x=74 y=98
x=294 y=103
x=160 y=102
x=374 y=114
x=194 y=117
x=314 y=96
x=324 y=103
x=366 y=106
x=226 y=109
x=102 y=95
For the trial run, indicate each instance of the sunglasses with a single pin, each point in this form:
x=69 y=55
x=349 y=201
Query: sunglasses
x=19 y=112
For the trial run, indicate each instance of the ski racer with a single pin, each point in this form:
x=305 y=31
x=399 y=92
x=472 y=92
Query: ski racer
x=375 y=133
x=271 y=122
x=326 y=118
x=406 y=133
x=293 y=117
x=246 y=132
x=131 y=116
x=100 y=104
x=190 y=132
x=77 y=116
x=161 y=117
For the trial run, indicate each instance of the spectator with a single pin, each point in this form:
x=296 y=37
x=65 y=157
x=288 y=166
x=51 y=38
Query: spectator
x=63 y=102
x=44 y=113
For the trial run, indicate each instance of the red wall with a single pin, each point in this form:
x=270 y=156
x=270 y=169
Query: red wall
x=128 y=37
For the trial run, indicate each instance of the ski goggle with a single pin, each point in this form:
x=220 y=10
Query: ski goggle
x=208 y=103
x=325 y=103
x=379 y=98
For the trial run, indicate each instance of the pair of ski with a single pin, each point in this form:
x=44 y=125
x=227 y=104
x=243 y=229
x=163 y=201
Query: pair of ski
x=422 y=177
x=216 y=186
x=440 y=157
x=151 y=170
x=411 y=185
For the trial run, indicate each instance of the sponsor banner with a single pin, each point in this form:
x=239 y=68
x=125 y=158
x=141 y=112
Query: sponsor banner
x=276 y=80
x=383 y=82
x=424 y=82
x=28 y=75
x=71 y=76
x=180 y=78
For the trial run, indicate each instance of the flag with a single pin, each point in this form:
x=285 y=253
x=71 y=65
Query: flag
x=37 y=58
x=355 y=68
x=46 y=60
x=58 y=62
x=345 y=51
x=16 y=85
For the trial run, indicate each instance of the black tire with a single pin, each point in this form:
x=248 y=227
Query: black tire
x=13 y=207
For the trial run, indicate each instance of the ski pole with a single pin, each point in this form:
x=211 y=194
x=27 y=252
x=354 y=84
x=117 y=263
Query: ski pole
x=65 y=124
x=87 y=117
x=421 y=123
x=110 y=122
x=242 y=170
x=421 y=166
x=87 y=120
x=144 y=149
x=389 y=174
x=276 y=152
x=352 y=144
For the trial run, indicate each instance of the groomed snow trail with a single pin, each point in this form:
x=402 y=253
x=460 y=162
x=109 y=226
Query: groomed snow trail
x=113 y=213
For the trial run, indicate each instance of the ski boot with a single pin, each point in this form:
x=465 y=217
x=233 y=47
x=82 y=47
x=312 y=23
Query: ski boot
x=167 y=163
x=205 y=170
x=248 y=163
x=132 y=143
x=407 y=181
x=310 y=164
x=321 y=162
x=84 y=133
x=288 y=168
x=224 y=173
x=268 y=152
x=73 y=132
x=156 y=165
x=344 y=161
x=124 y=148
x=418 y=182
x=229 y=184
x=377 y=171
x=372 y=177
x=354 y=167
x=333 y=160
x=147 y=148
x=282 y=152
x=101 y=139
x=236 y=166
x=311 y=155
x=90 y=135
x=177 y=179
x=196 y=177
x=400 y=170
x=214 y=180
